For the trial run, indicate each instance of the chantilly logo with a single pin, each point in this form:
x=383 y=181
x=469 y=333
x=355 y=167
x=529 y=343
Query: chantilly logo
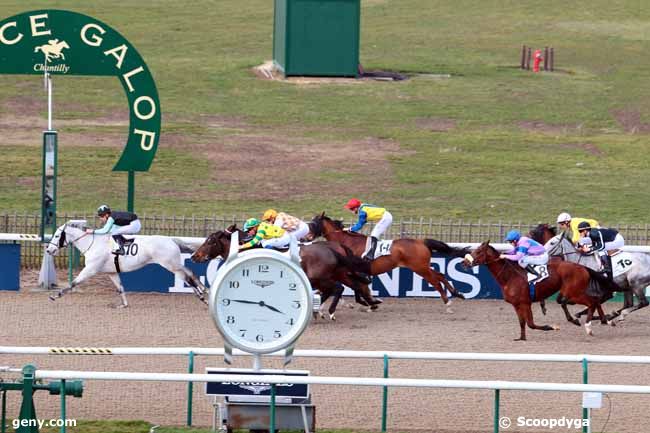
x=52 y=50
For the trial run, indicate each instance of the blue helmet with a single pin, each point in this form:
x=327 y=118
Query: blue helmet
x=513 y=235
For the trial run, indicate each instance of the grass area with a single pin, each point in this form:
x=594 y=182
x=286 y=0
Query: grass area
x=518 y=145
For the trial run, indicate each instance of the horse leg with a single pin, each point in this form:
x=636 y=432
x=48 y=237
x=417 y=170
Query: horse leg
x=338 y=292
x=528 y=314
x=590 y=315
x=562 y=301
x=522 y=323
x=199 y=288
x=542 y=304
x=85 y=273
x=437 y=282
x=603 y=316
x=115 y=278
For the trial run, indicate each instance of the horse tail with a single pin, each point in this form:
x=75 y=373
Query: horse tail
x=354 y=264
x=443 y=248
x=604 y=282
x=186 y=247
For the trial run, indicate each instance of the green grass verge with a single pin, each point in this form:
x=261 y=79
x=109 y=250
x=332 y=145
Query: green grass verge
x=517 y=146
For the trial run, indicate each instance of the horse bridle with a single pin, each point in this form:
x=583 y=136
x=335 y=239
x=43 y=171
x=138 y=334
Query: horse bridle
x=63 y=239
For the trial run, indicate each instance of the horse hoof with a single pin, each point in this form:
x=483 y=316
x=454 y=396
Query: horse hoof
x=332 y=317
x=52 y=298
x=576 y=322
x=519 y=339
x=449 y=310
x=351 y=307
x=611 y=323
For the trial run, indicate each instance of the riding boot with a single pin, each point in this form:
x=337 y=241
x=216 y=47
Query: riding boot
x=371 y=251
x=119 y=239
x=607 y=267
x=532 y=270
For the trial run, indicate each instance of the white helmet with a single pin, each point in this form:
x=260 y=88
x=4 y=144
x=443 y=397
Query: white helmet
x=563 y=218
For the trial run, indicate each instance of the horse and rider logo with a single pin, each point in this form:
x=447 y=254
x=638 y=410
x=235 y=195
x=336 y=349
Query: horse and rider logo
x=53 y=49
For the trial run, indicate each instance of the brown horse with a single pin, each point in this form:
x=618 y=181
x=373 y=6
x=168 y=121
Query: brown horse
x=414 y=254
x=326 y=264
x=570 y=279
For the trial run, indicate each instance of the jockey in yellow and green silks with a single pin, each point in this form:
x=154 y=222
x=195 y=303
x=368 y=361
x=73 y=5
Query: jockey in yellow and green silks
x=268 y=235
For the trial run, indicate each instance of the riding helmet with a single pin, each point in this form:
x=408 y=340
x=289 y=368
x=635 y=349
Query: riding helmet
x=250 y=223
x=563 y=218
x=513 y=235
x=584 y=226
x=269 y=214
x=103 y=210
x=352 y=204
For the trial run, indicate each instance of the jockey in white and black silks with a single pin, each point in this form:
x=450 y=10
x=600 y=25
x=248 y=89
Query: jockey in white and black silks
x=117 y=223
x=368 y=212
x=602 y=241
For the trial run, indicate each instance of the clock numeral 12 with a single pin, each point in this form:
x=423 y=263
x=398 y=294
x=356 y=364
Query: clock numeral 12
x=263 y=268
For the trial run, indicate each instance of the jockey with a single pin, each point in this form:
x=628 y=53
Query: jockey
x=527 y=252
x=117 y=224
x=570 y=226
x=603 y=241
x=296 y=227
x=268 y=235
x=368 y=212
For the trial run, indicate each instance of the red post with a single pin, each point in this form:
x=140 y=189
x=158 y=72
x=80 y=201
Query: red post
x=538 y=60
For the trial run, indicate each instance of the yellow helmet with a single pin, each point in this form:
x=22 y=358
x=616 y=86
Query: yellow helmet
x=269 y=214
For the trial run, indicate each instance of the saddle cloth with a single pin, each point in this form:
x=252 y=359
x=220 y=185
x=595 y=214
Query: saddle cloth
x=543 y=272
x=622 y=262
x=383 y=248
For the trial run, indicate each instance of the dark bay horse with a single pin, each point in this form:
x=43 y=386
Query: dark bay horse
x=414 y=254
x=570 y=279
x=633 y=282
x=326 y=264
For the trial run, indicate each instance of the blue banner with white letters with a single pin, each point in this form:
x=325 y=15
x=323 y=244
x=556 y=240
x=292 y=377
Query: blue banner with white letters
x=10 y=266
x=474 y=283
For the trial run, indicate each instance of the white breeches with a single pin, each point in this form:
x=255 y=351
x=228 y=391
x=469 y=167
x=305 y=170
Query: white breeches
x=382 y=225
x=281 y=242
x=131 y=229
x=302 y=231
x=534 y=260
x=617 y=243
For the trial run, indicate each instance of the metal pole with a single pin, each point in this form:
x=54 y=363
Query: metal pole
x=585 y=380
x=63 y=414
x=70 y=260
x=190 y=389
x=384 y=402
x=272 y=417
x=131 y=191
x=3 y=428
x=496 y=410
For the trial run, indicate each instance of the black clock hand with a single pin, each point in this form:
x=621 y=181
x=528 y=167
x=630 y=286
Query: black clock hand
x=260 y=303
x=271 y=308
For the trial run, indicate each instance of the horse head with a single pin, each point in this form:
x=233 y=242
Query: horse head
x=217 y=244
x=57 y=242
x=543 y=233
x=482 y=255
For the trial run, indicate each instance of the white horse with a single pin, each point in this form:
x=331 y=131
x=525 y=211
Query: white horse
x=634 y=281
x=145 y=250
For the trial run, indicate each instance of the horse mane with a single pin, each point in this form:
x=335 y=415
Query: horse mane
x=537 y=233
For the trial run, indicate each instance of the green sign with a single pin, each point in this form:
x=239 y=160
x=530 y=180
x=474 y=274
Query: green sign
x=68 y=43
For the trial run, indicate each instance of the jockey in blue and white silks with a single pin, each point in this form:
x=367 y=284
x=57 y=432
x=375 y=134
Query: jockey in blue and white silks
x=527 y=252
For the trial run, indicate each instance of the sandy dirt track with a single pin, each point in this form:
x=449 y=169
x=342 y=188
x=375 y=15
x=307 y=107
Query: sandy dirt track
x=85 y=319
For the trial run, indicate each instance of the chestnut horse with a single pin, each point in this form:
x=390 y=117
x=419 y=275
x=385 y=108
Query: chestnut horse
x=570 y=279
x=414 y=254
x=325 y=264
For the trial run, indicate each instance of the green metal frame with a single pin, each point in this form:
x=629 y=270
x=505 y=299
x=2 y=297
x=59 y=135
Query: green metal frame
x=51 y=226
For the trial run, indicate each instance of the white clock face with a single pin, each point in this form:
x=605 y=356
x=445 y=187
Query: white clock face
x=262 y=304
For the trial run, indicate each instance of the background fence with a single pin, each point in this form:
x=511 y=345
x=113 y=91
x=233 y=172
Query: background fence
x=202 y=226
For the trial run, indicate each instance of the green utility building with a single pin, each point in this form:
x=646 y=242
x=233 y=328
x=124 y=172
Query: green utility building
x=317 y=37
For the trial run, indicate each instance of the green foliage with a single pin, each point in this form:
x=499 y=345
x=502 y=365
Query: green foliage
x=489 y=142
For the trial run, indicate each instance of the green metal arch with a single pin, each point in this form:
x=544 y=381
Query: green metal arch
x=70 y=43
